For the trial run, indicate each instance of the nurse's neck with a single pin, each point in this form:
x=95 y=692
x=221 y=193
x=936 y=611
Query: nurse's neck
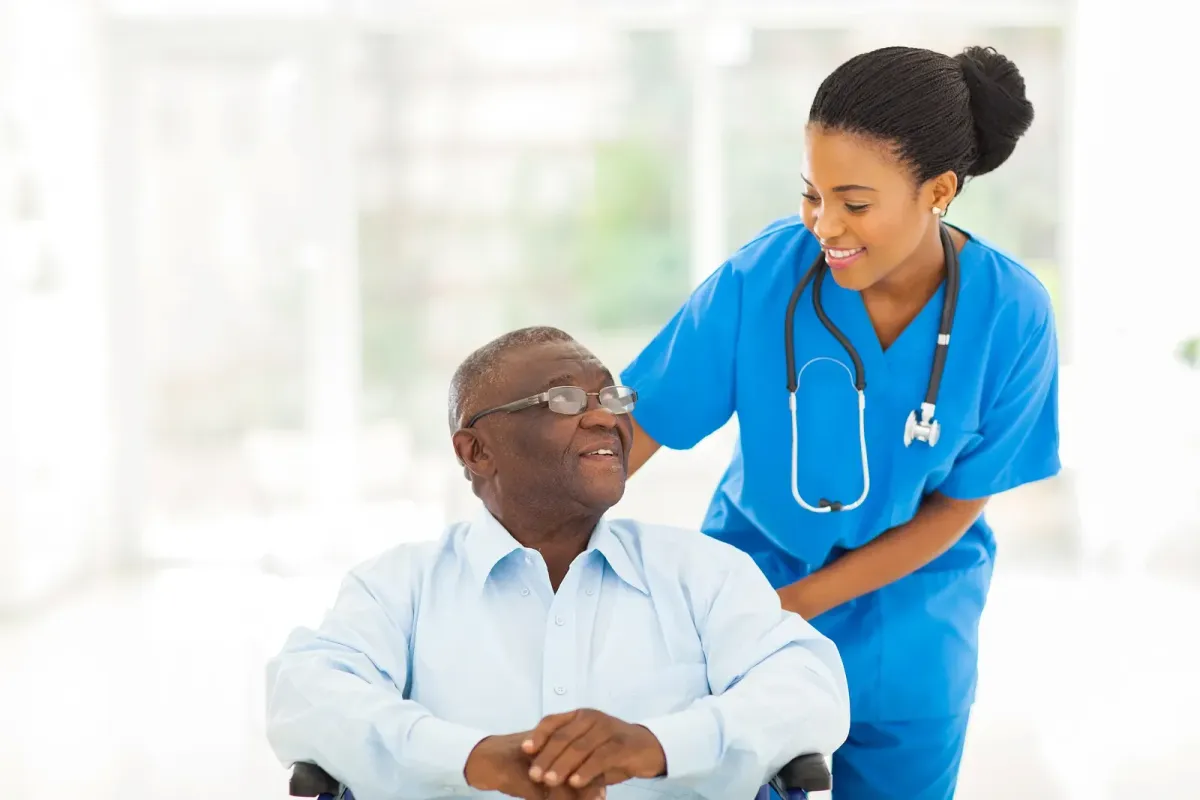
x=916 y=280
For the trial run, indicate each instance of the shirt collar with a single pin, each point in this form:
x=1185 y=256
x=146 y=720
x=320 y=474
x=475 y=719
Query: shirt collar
x=488 y=543
x=607 y=543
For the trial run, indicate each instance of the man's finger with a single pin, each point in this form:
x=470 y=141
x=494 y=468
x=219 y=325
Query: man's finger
x=557 y=743
x=530 y=791
x=538 y=737
x=599 y=768
x=565 y=792
x=576 y=753
x=561 y=793
x=593 y=791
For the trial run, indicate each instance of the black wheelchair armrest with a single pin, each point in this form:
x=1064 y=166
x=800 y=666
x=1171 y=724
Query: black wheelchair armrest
x=309 y=780
x=808 y=773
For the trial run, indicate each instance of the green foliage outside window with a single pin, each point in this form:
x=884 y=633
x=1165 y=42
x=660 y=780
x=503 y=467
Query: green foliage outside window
x=632 y=245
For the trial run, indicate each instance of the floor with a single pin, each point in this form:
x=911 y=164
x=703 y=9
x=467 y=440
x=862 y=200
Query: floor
x=151 y=687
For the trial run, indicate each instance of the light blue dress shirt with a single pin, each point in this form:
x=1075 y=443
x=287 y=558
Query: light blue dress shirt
x=431 y=647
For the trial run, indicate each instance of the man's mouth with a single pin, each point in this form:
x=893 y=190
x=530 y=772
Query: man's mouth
x=603 y=453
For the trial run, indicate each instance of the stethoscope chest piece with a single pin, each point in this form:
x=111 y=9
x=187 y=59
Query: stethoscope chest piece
x=926 y=429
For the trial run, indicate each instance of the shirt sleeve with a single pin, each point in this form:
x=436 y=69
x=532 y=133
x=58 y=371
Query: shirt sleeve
x=1018 y=441
x=685 y=376
x=335 y=698
x=778 y=691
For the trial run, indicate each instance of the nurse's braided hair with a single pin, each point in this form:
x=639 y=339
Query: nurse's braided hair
x=940 y=113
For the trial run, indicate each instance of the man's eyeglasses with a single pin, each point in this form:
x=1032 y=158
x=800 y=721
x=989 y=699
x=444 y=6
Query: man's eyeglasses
x=568 y=400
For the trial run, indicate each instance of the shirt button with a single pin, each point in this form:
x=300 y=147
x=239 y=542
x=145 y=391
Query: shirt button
x=525 y=593
x=560 y=690
x=559 y=621
x=590 y=592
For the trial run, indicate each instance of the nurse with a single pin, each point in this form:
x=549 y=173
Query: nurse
x=864 y=508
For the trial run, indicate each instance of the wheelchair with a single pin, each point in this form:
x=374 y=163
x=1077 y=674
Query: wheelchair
x=801 y=775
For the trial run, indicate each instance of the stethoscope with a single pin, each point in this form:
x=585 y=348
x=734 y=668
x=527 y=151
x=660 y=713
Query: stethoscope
x=924 y=428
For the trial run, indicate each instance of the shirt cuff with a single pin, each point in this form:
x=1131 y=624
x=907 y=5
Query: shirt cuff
x=690 y=739
x=444 y=747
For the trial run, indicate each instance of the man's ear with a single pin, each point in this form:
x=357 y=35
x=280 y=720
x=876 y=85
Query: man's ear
x=473 y=454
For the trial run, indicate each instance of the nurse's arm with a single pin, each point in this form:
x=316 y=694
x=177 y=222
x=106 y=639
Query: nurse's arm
x=644 y=446
x=938 y=524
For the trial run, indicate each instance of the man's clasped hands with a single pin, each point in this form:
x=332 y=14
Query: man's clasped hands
x=570 y=756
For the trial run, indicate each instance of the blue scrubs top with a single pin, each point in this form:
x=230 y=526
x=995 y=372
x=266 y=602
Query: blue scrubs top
x=910 y=648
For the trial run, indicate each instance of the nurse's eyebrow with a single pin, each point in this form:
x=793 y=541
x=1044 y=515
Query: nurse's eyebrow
x=847 y=187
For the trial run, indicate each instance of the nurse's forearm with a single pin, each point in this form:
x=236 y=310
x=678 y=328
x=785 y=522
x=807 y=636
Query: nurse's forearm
x=643 y=447
x=939 y=523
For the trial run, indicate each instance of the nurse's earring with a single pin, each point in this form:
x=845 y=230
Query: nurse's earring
x=937 y=212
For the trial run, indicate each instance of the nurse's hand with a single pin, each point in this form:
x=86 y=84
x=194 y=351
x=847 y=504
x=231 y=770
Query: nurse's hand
x=894 y=554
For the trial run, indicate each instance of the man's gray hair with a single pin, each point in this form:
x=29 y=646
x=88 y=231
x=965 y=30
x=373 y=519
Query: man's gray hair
x=481 y=369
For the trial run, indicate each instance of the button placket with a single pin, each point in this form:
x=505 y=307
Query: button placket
x=559 y=661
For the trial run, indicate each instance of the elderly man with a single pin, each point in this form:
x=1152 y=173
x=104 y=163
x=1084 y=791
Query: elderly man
x=542 y=650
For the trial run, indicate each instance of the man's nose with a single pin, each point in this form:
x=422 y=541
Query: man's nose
x=597 y=416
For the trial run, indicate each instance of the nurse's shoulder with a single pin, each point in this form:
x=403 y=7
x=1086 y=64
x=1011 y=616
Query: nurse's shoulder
x=772 y=251
x=686 y=376
x=1004 y=290
x=1006 y=357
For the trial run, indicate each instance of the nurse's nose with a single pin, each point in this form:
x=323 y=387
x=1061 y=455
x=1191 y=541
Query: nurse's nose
x=826 y=227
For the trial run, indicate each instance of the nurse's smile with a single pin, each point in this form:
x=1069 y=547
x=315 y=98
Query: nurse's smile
x=841 y=259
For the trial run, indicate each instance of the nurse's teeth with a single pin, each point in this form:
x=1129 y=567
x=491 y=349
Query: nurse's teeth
x=842 y=253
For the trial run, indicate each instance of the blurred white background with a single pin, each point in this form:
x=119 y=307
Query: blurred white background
x=244 y=244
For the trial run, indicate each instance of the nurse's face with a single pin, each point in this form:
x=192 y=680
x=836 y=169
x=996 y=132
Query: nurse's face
x=866 y=207
x=537 y=457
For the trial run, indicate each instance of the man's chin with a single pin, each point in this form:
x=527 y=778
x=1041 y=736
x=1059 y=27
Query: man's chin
x=602 y=495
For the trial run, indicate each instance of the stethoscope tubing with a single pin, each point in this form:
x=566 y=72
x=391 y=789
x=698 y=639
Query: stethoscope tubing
x=816 y=276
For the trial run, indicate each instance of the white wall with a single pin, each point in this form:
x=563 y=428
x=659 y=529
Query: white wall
x=53 y=424
x=1131 y=413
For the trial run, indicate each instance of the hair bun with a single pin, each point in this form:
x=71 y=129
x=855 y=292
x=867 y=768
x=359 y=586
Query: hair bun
x=1001 y=110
